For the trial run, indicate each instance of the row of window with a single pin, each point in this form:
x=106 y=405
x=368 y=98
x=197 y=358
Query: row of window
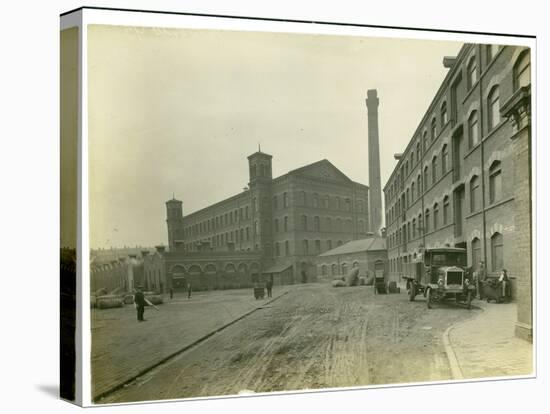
x=521 y=77
x=236 y=236
x=326 y=225
x=495 y=190
x=218 y=222
x=308 y=247
x=319 y=201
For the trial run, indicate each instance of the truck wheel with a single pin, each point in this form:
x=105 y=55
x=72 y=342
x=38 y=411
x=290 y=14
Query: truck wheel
x=429 y=298
x=469 y=300
x=412 y=292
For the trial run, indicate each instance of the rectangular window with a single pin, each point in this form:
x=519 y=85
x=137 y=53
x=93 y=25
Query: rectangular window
x=286 y=224
x=306 y=247
x=287 y=248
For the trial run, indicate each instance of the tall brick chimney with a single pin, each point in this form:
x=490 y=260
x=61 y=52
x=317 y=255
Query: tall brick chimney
x=375 y=188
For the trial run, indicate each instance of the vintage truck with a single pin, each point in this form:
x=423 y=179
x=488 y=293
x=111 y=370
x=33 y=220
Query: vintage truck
x=440 y=274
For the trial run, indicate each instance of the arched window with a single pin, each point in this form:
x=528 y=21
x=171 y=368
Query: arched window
x=493 y=106
x=303 y=200
x=427 y=220
x=316 y=223
x=418 y=155
x=408 y=193
x=476 y=252
x=286 y=224
x=473 y=129
x=436 y=216
x=475 y=198
x=445 y=209
x=419 y=185
x=421 y=228
x=277 y=249
x=434 y=170
x=287 y=248
x=328 y=222
x=414 y=228
x=315 y=200
x=324 y=270
x=344 y=268
x=433 y=129
x=522 y=70
x=425 y=141
x=412 y=192
x=444 y=159
x=472 y=72
x=426 y=176
x=495 y=182
x=276 y=225
x=412 y=159
x=497 y=259
x=444 y=114
x=318 y=246
x=304 y=222
x=305 y=244
x=334 y=270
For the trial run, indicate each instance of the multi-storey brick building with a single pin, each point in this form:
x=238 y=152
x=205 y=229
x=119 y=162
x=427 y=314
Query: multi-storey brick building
x=456 y=181
x=279 y=224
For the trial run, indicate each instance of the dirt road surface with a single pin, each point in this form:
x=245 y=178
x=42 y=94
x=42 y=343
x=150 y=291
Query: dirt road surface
x=314 y=337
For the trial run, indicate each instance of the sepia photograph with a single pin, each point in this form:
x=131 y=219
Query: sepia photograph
x=275 y=212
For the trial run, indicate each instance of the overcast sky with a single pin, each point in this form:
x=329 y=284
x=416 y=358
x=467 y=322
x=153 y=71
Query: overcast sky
x=178 y=111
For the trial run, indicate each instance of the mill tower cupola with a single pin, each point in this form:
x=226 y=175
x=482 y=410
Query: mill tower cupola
x=259 y=165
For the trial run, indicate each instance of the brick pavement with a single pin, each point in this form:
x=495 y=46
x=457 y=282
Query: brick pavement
x=122 y=347
x=485 y=346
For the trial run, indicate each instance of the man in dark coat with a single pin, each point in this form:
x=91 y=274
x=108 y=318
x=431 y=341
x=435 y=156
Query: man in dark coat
x=139 y=300
x=269 y=286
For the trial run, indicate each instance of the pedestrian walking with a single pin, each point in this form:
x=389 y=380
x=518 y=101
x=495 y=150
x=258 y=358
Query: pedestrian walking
x=269 y=286
x=188 y=290
x=171 y=293
x=139 y=301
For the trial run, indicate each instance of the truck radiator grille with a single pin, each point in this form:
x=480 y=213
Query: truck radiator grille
x=454 y=278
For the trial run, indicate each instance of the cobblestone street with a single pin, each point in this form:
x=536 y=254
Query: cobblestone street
x=122 y=347
x=313 y=337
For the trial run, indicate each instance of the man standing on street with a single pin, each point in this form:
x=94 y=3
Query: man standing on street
x=480 y=279
x=139 y=300
x=188 y=290
x=269 y=286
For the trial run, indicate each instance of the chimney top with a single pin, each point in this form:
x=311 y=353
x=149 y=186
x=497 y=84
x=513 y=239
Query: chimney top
x=144 y=253
x=160 y=248
x=398 y=156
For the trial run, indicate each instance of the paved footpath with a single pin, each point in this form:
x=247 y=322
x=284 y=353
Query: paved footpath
x=485 y=346
x=122 y=347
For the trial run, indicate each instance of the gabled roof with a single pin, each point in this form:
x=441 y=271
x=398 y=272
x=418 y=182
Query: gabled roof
x=321 y=169
x=373 y=243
